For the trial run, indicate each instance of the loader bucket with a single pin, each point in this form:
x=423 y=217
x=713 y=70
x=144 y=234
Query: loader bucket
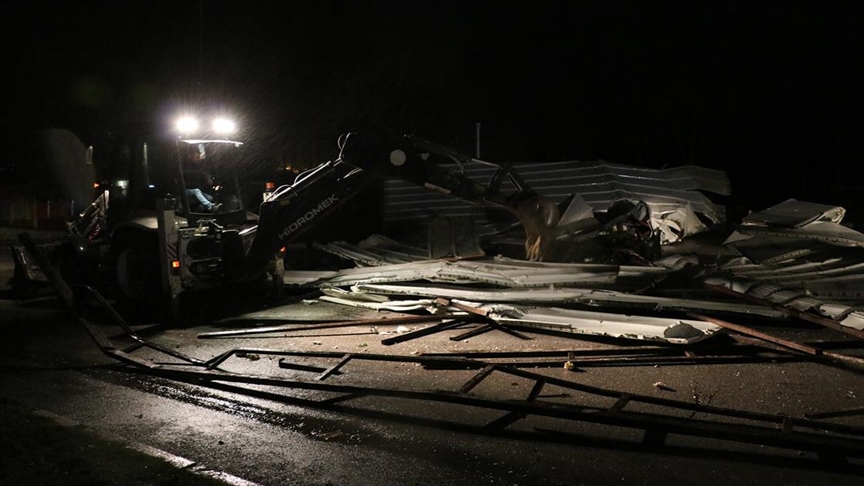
x=539 y=215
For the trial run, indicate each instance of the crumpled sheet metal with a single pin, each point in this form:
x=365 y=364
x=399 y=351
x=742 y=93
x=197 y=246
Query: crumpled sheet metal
x=395 y=306
x=503 y=272
x=793 y=213
x=672 y=194
x=805 y=261
x=796 y=220
x=850 y=315
x=835 y=273
x=673 y=222
x=674 y=331
x=381 y=302
x=845 y=288
x=771 y=249
x=855 y=320
x=400 y=272
x=802 y=272
x=676 y=222
x=468 y=272
x=559 y=296
x=826 y=232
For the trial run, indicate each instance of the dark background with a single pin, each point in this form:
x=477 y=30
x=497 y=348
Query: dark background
x=770 y=92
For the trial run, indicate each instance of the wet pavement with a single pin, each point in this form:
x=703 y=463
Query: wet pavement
x=291 y=436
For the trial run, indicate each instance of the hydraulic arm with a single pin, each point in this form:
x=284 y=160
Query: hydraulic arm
x=292 y=209
x=419 y=161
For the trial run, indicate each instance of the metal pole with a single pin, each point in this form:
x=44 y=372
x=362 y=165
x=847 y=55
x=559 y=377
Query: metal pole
x=477 y=137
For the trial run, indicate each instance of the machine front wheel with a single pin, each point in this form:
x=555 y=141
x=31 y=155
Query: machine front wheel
x=136 y=274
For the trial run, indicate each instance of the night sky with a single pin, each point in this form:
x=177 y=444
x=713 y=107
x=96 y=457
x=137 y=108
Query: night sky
x=771 y=92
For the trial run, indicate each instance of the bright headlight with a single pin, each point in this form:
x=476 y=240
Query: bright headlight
x=223 y=125
x=187 y=124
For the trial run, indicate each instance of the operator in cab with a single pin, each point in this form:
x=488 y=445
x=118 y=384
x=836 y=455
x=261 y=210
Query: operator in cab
x=200 y=183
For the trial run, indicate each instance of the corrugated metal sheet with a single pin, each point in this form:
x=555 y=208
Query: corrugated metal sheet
x=828 y=282
x=847 y=315
x=599 y=183
x=798 y=247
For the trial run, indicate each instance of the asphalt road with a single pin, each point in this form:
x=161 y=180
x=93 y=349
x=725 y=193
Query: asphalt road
x=290 y=436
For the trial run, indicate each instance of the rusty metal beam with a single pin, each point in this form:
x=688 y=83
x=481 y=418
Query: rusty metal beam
x=476 y=379
x=851 y=362
x=442 y=326
x=757 y=334
x=483 y=314
x=333 y=369
x=483 y=329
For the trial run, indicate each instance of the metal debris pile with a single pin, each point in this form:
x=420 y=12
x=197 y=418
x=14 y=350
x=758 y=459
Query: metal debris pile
x=772 y=289
x=606 y=212
x=791 y=261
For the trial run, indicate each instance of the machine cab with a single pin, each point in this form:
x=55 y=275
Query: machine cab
x=209 y=185
x=198 y=174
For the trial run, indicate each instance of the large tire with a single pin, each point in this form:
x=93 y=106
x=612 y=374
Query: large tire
x=136 y=275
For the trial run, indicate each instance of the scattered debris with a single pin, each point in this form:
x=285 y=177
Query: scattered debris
x=791 y=261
